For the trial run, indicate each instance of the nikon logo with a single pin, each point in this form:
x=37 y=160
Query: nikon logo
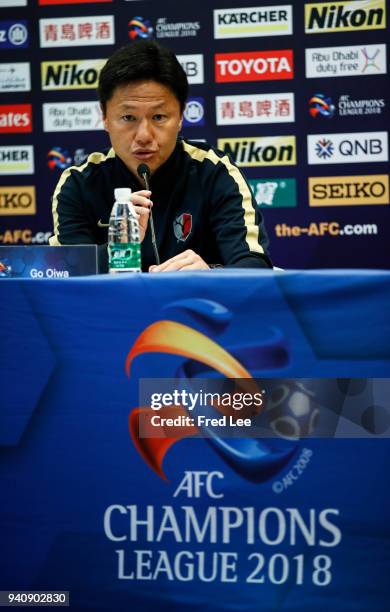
x=17 y=201
x=71 y=74
x=269 y=151
x=349 y=190
x=344 y=16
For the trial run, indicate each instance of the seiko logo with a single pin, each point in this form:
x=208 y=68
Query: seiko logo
x=254 y=66
x=74 y=74
x=341 y=16
x=278 y=150
x=17 y=200
x=348 y=190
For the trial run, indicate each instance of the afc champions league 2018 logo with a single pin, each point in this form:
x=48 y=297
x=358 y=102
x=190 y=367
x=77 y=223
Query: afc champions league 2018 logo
x=140 y=28
x=291 y=408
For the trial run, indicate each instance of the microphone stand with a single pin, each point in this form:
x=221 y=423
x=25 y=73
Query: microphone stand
x=144 y=172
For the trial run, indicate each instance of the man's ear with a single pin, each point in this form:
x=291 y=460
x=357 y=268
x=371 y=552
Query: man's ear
x=181 y=123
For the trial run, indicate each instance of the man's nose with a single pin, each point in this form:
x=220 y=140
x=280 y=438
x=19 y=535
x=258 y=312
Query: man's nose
x=144 y=132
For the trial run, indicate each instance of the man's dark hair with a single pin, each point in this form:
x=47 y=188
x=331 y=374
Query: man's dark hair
x=144 y=60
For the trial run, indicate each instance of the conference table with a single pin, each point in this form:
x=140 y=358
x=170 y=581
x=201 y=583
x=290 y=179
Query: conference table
x=294 y=517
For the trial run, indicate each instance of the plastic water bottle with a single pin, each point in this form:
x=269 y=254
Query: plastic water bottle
x=124 y=246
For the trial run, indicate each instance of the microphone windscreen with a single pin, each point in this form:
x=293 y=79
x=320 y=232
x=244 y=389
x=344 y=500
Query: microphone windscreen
x=142 y=170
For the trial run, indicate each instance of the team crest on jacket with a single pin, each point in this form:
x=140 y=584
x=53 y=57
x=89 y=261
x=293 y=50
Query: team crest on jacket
x=182 y=226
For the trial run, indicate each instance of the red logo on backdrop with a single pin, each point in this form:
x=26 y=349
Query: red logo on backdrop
x=46 y=2
x=182 y=226
x=254 y=66
x=15 y=118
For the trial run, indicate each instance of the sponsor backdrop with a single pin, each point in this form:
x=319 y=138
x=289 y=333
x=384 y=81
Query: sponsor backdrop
x=164 y=523
x=297 y=94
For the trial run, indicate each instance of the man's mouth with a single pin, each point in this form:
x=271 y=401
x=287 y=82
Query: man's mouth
x=144 y=154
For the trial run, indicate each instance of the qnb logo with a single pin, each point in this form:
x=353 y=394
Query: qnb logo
x=343 y=16
x=193 y=67
x=369 y=146
x=324 y=148
x=348 y=148
x=321 y=105
x=140 y=28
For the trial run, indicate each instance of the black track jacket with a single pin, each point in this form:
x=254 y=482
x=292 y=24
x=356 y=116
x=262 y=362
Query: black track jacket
x=201 y=201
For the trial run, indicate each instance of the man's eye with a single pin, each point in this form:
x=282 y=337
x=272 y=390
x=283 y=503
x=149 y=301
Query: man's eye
x=128 y=118
x=159 y=117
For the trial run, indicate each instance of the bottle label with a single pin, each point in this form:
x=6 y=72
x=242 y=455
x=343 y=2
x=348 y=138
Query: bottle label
x=124 y=257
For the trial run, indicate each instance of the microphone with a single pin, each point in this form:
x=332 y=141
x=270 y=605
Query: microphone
x=143 y=171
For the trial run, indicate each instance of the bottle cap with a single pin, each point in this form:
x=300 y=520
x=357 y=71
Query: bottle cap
x=122 y=194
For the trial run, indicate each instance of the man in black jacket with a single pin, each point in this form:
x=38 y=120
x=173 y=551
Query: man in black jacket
x=203 y=209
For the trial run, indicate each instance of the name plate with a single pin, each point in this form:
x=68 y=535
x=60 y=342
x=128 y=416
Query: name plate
x=48 y=261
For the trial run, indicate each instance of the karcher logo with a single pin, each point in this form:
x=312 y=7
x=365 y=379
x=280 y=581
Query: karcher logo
x=253 y=21
x=268 y=151
x=345 y=16
x=17 y=200
x=349 y=190
x=71 y=74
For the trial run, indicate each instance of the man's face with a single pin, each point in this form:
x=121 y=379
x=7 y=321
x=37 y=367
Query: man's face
x=143 y=120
